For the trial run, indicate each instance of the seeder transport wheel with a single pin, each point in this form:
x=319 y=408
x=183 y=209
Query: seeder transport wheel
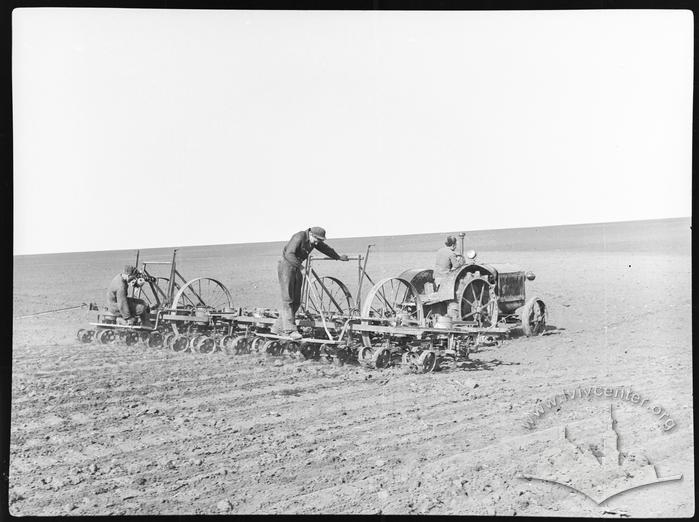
x=202 y=293
x=106 y=336
x=328 y=296
x=395 y=301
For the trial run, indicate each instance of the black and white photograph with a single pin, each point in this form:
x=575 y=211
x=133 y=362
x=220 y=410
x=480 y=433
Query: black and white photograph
x=411 y=262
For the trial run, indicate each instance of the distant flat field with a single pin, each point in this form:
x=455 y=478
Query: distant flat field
x=123 y=430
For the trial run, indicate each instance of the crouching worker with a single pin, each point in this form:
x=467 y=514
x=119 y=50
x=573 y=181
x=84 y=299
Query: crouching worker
x=118 y=302
x=289 y=272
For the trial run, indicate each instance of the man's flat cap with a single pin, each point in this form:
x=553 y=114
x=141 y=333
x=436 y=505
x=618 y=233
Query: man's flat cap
x=318 y=232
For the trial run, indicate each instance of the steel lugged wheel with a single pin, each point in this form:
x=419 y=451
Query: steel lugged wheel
x=180 y=343
x=478 y=302
x=533 y=316
x=393 y=299
x=106 y=336
x=328 y=296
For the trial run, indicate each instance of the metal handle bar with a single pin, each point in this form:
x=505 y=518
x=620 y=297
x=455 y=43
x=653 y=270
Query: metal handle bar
x=353 y=258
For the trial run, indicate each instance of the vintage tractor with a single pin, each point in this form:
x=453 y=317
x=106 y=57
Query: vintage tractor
x=479 y=295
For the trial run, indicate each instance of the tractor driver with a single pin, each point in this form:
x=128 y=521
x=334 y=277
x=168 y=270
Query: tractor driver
x=129 y=308
x=447 y=259
x=290 y=276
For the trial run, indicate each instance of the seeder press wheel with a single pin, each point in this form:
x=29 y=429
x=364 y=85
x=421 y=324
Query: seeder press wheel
x=85 y=336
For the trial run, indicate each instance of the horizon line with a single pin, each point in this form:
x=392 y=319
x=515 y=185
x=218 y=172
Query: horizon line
x=352 y=237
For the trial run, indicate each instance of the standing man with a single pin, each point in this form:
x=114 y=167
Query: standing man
x=290 y=275
x=129 y=308
x=447 y=259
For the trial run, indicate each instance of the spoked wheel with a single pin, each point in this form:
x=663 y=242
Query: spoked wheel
x=201 y=295
x=393 y=299
x=478 y=302
x=180 y=343
x=328 y=296
x=105 y=336
x=154 y=292
x=533 y=316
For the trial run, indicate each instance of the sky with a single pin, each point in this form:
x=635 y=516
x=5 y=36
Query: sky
x=142 y=128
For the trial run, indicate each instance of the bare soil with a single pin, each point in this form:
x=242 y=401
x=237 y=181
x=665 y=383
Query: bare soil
x=99 y=430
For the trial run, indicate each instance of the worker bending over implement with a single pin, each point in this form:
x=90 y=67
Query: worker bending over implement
x=290 y=276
